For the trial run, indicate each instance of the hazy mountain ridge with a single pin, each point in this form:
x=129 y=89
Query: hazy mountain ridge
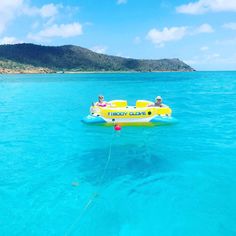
x=75 y=58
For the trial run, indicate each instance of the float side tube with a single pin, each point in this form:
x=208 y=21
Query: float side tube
x=163 y=119
x=93 y=120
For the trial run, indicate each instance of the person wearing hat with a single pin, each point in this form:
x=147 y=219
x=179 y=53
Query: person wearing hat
x=158 y=102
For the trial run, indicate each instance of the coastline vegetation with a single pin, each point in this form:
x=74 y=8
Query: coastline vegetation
x=31 y=58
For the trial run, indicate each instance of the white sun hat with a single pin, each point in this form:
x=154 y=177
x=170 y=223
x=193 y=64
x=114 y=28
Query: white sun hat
x=158 y=98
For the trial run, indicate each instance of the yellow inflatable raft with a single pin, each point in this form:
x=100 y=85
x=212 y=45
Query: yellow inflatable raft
x=118 y=112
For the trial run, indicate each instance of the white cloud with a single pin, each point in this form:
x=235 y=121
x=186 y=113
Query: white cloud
x=231 y=25
x=9 y=40
x=204 y=48
x=137 y=40
x=192 y=8
x=49 y=10
x=99 y=49
x=11 y=9
x=159 y=38
x=121 y=2
x=63 y=31
x=204 y=28
x=8 y=11
x=203 y=6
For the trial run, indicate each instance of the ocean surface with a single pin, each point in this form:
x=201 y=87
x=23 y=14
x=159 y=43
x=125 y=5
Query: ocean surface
x=59 y=176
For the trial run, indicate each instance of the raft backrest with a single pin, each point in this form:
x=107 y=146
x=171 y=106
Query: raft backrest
x=143 y=103
x=119 y=103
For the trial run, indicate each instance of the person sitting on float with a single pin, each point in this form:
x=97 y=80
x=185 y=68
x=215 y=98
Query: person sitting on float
x=158 y=102
x=101 y=102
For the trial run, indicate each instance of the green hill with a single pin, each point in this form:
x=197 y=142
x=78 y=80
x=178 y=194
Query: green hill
x=75 y=58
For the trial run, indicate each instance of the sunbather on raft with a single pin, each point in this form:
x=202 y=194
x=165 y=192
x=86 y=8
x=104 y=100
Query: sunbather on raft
x=158 y=102
x=101 y=102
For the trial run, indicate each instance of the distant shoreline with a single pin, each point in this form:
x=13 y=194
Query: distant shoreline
x=115 y=72
x=83 y=72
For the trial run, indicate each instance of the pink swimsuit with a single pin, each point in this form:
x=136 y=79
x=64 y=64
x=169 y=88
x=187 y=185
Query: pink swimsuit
x=101 y=104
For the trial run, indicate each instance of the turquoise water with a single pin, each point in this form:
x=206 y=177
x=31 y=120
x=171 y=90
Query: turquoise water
x=168 y=180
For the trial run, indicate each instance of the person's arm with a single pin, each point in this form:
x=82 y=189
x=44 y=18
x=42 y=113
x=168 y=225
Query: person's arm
x=151 y=105
x=163 y=105
x=108 y=103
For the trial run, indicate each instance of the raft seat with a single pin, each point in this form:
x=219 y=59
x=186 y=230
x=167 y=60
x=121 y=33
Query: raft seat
x=143 y=103
x=119 y=103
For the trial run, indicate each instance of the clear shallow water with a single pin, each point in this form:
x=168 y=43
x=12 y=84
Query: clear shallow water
x=170 y=180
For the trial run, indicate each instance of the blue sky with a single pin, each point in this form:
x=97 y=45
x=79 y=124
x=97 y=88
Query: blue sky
x=200 y=32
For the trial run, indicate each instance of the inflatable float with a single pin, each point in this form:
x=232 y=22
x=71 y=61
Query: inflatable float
x=118 y=112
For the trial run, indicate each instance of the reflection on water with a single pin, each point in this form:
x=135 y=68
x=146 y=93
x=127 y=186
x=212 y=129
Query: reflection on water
x=134 y=161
